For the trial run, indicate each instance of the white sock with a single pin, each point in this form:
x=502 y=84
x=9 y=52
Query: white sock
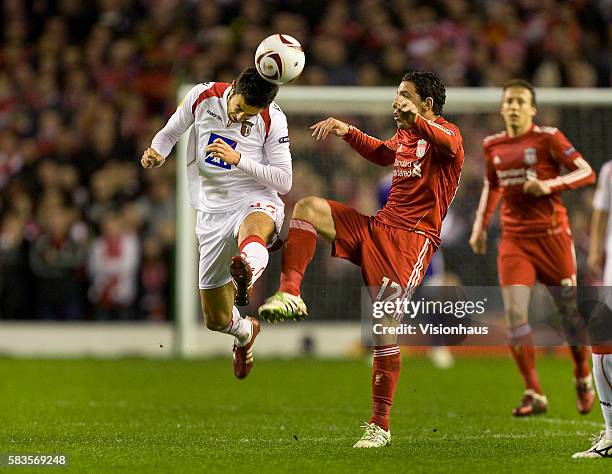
x=239 y=327
x=602 y=372
x=257 y=255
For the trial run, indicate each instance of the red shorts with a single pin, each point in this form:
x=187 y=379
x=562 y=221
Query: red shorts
x=550 y=259
x=388 y=256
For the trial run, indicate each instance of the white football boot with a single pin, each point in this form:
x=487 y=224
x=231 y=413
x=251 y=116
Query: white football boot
x=602 y=448
x=373 y=437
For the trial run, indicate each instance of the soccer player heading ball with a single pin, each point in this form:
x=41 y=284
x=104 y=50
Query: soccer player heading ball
x=394 y=247
x=238 y=161
x=523 y=166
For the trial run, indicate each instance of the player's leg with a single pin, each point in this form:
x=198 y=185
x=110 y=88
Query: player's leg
x=600 y=332
x=216 y=247
x=221 y=315
x=517 y=276
x=520 y=340
x=255 y=232
x=556 y=267
x=602 y=370
x=312 y=216
x=394 y=270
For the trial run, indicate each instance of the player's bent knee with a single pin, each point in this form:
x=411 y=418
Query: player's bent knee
x=216 y=321
x=310 y=208
x=516 y=317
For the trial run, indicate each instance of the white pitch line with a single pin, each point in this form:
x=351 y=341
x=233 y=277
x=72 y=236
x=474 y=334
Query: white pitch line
x=560 y=421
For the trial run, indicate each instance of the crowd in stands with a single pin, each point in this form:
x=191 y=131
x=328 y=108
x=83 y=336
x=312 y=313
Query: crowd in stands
x=85 y=233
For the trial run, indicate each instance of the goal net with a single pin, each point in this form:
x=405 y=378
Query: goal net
x=333 y=170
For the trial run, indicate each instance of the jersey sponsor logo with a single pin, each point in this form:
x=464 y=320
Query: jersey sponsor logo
x=212 y=114
x=421 y=148
x=216 y=161
x=530 y=156
x=569 y=151
x=245 y=130
x=496 y=160
x=283 y=139
x=413 y=171
x=512 y=176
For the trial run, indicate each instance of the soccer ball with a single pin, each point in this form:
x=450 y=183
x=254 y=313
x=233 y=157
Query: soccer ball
x=279 y=59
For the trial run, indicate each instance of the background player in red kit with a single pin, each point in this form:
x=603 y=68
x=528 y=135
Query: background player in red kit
x=394 y=247
x=523 y=169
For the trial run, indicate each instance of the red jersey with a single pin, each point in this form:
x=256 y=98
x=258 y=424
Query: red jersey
x=510 y=162
x=427 y=161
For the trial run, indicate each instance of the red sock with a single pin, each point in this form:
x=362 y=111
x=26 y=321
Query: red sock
x=521 y=346
x=385 y=374
x=581 y=357
x=297 y=253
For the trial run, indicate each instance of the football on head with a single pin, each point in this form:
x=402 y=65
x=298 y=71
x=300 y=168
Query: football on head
x=279 y=59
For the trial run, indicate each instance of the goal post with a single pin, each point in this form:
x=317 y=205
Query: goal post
x=591 y=111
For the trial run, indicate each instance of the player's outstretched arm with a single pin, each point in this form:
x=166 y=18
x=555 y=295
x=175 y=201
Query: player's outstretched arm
x=372 y=149
x=322 y=129
x=152 y=159
x=166 y=138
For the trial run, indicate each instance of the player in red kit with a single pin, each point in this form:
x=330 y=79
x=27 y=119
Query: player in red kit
x=523 y=169
x=394 y=247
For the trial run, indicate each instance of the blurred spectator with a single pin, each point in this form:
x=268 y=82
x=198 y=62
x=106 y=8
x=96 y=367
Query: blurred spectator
x=55 y=258
x=15 y=284
x=154 y=281
x=113 y=270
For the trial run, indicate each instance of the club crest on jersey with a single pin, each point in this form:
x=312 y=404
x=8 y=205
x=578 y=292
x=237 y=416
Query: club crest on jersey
x=496 y=160
x=421 y=148
x=530 y=156
x=245 y=130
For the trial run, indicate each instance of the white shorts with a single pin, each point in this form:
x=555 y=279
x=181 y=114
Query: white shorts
x=217 y=234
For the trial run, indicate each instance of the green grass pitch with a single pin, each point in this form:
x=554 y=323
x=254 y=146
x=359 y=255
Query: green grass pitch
x=288 y=416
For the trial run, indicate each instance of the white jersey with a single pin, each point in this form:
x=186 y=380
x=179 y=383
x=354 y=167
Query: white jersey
x=602 y=201
x=264 y=169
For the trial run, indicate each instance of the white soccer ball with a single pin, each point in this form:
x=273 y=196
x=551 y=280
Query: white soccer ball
x=279 y=59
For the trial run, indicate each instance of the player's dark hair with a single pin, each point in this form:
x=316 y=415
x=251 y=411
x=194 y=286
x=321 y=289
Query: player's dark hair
x=523 y=84
x=257 y=92
x=428 y=84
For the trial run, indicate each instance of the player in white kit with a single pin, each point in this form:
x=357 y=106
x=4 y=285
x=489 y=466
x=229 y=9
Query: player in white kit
x=238 y=161
x=600 y=322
